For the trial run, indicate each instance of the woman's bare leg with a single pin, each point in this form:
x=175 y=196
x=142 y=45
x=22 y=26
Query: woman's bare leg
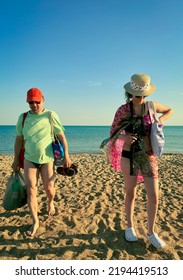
x=151 y=186
x=130 y=187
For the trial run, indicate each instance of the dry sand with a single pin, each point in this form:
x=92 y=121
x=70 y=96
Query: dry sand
x=89 y=223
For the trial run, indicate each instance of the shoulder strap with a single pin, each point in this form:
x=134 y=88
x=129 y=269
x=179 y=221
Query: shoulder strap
x=51 y=123
x=152 y=112
x=52 y=127
x=24 y=117
x=131 y=108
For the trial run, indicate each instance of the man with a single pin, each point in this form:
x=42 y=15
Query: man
x=36 y=135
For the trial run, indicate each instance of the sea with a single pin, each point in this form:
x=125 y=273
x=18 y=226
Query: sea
x=87 y=139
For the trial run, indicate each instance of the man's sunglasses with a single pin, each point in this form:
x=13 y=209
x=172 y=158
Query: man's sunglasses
x=32 y=102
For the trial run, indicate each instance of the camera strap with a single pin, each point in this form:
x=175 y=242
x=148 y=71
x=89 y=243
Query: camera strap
x=131 y=109
x=132 y=150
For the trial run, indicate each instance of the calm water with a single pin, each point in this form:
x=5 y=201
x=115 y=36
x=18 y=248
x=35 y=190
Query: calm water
x=86 y=139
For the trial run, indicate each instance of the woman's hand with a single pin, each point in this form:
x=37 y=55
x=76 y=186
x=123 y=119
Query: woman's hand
x=128 y=138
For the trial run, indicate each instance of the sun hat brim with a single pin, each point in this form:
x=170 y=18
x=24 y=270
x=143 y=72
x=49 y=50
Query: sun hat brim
x=146 y=92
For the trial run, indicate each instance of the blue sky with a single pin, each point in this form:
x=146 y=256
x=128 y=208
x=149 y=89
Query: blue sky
x=80 y=53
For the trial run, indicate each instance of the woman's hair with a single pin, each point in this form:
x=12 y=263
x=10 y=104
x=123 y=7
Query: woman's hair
x=128 y=96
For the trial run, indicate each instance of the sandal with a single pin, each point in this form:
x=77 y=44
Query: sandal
x=130 y=234
x=156 y=241
x=70 y=171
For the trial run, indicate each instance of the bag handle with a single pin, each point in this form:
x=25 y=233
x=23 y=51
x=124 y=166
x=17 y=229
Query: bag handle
x=24 y=117
x=23 y=121
x=152 y=112
x=52 y=128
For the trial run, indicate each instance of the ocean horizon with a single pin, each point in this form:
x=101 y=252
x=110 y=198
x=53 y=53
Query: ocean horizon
x=87 y=139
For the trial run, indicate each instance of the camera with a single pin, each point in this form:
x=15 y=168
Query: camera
x=138 y=129
x=137 y=146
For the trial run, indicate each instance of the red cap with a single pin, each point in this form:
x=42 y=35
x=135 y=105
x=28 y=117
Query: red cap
x=34 y=94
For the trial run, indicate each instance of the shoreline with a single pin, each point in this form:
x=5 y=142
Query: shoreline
x=89 y=223
x=101 y=153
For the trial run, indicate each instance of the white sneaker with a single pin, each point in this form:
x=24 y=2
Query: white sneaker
x=130 y=234
x=156 y=241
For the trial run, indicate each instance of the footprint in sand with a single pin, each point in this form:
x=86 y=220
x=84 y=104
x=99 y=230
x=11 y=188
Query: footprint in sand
x=69 y=223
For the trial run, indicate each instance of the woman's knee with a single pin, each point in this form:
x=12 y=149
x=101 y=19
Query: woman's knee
x=130 y=194
x=151 y=185
x=153 y=199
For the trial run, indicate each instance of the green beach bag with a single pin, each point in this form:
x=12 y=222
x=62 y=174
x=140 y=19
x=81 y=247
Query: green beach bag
x=16 y=192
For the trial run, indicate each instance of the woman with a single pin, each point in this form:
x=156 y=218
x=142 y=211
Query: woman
x=36 y=133
x=137 y=158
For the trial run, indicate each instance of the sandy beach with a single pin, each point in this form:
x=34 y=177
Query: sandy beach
x=89 y=223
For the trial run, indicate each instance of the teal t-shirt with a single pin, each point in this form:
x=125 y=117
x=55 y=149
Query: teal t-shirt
x=38 y=136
